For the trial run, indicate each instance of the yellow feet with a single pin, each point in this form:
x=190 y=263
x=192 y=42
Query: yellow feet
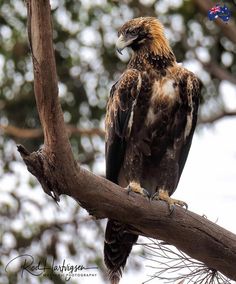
x=136 y=187
x=164 y=195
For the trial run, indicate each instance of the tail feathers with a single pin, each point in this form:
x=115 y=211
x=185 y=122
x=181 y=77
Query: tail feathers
x=115 y=277
x=117 y=247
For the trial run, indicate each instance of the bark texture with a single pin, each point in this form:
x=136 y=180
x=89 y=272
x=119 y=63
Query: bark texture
x=58 y=172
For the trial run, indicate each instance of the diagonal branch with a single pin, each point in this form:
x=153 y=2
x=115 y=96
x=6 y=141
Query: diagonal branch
x=58 y=172
x=193 y=234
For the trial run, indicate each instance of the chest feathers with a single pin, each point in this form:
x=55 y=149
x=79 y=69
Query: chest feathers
x=165 y=94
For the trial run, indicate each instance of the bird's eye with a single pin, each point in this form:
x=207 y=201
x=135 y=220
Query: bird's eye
x=133 y=32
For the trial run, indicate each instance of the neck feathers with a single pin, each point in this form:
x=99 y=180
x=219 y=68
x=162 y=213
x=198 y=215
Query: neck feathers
x=159 y=45
x=155 y=53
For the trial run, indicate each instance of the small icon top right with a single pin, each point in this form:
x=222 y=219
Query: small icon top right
x=222 y=12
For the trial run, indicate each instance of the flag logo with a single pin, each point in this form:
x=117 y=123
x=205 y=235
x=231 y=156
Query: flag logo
x=222 y=12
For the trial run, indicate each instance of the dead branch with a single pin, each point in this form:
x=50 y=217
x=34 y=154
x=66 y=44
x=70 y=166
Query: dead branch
x=58 y=172
x=172 y=265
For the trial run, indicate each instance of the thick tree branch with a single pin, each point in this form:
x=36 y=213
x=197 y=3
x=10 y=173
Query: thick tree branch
x=56 y=142
x=58 y=173
x=45 y=76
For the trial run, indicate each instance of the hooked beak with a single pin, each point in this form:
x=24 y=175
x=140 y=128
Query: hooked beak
x=122 y=43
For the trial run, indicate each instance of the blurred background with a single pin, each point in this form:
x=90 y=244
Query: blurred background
x=87 y=64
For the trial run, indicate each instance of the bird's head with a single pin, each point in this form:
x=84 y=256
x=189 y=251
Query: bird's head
x=143 y=33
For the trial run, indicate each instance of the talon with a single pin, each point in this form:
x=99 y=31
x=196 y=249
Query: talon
x=155 y=196
x=185 y=205
x=136 y=187
x=128 y=189
x=171 y=208
x=164 y=195
x=145 y=193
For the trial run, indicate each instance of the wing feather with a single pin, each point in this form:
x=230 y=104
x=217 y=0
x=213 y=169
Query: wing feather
x=193 y=90
x=119 y=108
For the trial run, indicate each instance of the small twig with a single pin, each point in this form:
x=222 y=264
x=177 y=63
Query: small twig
x=173 y=265
x=26 y=133
x=214 y=117
x=218 y=71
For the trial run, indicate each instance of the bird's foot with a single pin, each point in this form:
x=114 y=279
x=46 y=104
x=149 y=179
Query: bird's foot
x=164 y=195
x=136 y=187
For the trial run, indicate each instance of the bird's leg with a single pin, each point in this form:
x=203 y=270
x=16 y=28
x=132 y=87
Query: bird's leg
x=164 y=195
x=136 y=187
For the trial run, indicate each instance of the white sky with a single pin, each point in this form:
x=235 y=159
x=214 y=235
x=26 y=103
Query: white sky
x=208 y=183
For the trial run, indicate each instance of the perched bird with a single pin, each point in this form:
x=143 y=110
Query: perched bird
x=150 y=119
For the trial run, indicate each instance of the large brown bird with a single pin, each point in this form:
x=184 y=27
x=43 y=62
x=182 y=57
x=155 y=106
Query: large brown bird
x=150 y=120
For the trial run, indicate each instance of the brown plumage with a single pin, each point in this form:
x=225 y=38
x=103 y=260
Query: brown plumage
x=150 y=120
